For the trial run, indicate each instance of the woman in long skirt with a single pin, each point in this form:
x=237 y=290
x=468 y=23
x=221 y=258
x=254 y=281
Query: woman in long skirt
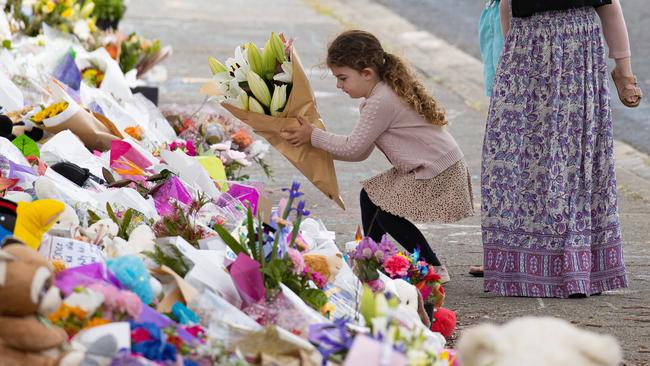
x=549 y=202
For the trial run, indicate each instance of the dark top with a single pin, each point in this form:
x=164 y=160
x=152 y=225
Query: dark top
x=526 y=8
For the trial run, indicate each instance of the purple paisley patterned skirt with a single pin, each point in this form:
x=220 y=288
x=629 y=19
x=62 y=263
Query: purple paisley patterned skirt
x=549 y=203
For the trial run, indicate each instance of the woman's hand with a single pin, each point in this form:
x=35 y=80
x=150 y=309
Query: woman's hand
x=298 y=136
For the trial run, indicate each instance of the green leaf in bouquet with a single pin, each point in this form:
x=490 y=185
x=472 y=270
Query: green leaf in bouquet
x=155 y=47
x=108 y=176
x=6 y=44
x=92 y=217
x=126 y=221
x=111 y=214
x=26 y=146
x=175 y=262
x=250 y=229
x=230 y=241
x=314 y=298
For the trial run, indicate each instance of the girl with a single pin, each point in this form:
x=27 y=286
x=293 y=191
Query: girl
x=614 y=29
x=549 y=200
x=429 y=181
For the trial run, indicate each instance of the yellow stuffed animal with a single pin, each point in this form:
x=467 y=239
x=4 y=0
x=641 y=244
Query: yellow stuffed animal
x=327 y=266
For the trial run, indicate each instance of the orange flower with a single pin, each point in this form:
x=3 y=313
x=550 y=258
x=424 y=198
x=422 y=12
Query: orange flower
x=58 y=266
x=113 y=50
x=135 y=132
x=63 y=312
x=76 y=311
x=95 y=322
x=242 y=138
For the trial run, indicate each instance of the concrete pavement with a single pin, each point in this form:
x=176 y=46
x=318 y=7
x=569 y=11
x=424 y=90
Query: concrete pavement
x=200 y=28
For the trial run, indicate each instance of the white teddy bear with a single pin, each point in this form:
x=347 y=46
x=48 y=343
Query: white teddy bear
x=536 y=341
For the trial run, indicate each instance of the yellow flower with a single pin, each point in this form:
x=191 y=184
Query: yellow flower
x=327 y=308
x=91 y=25
x=69 y=3
x=48 y=7
x=50 y=111
x=67 y=13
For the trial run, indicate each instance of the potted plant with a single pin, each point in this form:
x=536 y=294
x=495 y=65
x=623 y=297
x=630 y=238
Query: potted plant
x=108 y=13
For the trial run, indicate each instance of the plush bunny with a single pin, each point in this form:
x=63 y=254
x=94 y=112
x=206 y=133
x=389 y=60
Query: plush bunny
x=536 y=341
x=411 y=298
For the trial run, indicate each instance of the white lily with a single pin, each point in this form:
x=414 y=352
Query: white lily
x=259 y=88
x=278 y=47
x=243 y=100
x=238 y=66
x=255 y=106
x=286 y=75
x=278 y=100
x=254 y=58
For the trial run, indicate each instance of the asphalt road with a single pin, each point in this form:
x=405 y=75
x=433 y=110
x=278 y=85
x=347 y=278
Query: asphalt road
x=456 y=21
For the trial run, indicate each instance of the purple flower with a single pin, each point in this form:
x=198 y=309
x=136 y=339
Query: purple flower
x=301 y=209
x=387 y=246
x=294 y=191
x=365 y=250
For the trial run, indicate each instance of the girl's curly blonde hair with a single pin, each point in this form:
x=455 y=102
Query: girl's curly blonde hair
x=358 y=50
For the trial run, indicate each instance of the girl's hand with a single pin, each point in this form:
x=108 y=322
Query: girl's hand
x=298 y=136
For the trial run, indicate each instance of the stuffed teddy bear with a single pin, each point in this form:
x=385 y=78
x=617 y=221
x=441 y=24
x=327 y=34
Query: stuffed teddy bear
x=536 y=341
x=27 y=294
x=327 y=266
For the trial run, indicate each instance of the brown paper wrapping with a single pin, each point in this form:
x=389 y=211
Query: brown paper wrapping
x=184 y=292
x=95 y=133
x=315 y=164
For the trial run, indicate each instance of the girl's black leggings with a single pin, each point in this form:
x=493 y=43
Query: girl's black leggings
x=401 y=229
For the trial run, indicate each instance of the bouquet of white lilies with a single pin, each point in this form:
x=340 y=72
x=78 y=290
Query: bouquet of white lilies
x=268 y=90
x=256 y=80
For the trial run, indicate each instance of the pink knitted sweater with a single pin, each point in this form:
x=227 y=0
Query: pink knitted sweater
x=409 y=142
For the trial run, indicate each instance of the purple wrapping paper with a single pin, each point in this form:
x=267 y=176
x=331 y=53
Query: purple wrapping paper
x=68 y=73
x=68 y=279
x=172 y=189
x=149 y=315
x=245 y=193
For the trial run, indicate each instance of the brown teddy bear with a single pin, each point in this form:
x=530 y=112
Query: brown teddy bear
x=27 y=293
x=327 y=266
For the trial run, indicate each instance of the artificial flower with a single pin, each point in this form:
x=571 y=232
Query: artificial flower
x=397 y=266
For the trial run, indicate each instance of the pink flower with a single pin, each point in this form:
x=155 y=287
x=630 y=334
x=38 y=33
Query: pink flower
x=129 y=303
x=140 y=335
x=110 y=292
x=297 y=261
x=376 y=285
x=397 y=266
x=190 y=148
x=318 y=279
x=196 y=331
